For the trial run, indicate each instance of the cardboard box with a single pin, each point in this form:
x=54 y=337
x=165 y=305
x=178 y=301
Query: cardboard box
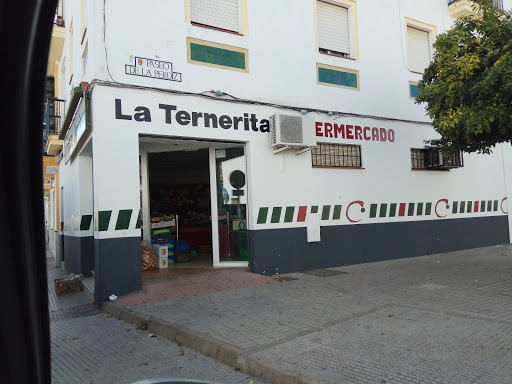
x=162 y=262
x=67 y=286
x=161 y=251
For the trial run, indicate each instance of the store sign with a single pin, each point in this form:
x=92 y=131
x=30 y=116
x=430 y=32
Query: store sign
x=172 y=115
x=155 y=69
x=69 y=145
x=353 y=132
x=76 y=130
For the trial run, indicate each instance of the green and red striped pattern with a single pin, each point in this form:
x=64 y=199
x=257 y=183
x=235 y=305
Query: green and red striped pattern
x=274 y=215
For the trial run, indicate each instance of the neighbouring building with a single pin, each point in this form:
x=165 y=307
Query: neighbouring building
x=276 y=134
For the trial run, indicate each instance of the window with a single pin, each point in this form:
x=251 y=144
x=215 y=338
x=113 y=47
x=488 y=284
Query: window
x=337 y=33
x=419 y=42
x=413 y=89
x=217 y=55
x=83 y=20
x=337 y=77
x=226 y=15
x=432 y=158
x=85 y=58
x=336 y=155
x=71 y=51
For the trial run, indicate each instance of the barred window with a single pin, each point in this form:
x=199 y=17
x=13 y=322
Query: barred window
x=432 y=158
x=417 y=158
x=336 y=155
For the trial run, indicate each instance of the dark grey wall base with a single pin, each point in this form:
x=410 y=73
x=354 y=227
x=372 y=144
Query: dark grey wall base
x=78 y=254
x=118 y=268
x=274 y=251
x=58 y=248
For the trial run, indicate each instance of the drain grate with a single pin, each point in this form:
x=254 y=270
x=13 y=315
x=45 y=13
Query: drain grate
x=282 y=279
x=326 y=272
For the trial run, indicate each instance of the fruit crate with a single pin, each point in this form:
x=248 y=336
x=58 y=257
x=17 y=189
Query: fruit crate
x=67 y=286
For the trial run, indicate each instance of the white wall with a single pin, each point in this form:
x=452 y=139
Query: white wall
x=282 y=54
x=282 y=69
x=286 y=179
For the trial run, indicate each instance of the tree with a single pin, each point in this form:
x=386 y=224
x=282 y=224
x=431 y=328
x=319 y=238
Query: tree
x=468 y=85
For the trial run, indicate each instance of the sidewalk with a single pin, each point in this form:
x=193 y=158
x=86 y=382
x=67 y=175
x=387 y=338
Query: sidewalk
x=443 y=318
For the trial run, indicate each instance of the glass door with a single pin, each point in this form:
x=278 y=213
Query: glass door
x=231 y=192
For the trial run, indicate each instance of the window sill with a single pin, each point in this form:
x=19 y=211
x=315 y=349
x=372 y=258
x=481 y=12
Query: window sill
x=338 y=56
x=320 y=166
x=430 y=169
x=216 y=29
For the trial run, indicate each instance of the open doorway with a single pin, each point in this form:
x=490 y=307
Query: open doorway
x=194 y=199
x=180 y=212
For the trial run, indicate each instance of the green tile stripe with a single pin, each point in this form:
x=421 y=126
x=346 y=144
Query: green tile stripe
x=276 y=214
x=410 y=211
x=85 y=222
x=470 y=207
x=337 y=212
x=489 y=206
x=139 y=220
x=288 y=214
x=482 y=206
x=419 y=209
x=103 y=220
x=455 y=206
x=428 y=209
x=330 y=76
x=383 y=210
x=218 y=56
x=262 y=215
x=392 y=210
x=462 y=207
x=495 y=208
x=326 y=211
x=413 y=90
x=123 y=219
x=373 y=210
x=314 y=209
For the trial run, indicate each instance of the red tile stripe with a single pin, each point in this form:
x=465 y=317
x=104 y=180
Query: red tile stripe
x=301 y=216
x=401 y=211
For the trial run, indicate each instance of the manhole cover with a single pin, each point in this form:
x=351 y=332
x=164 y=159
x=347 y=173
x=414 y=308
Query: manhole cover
x=324 y=272
x=282 y=279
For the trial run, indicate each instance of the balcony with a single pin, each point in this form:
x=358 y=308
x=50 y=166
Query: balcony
x=458 y=8
x=57 y=41
x=52 y=124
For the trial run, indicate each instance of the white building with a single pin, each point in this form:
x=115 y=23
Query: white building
x=149 y=137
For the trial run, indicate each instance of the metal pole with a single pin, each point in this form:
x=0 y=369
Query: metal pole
x=229 y=242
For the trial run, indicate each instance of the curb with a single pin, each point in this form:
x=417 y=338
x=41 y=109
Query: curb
x=256 y=364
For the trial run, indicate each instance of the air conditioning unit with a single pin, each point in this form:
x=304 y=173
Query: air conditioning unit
x=434 y=158
x=287 y=132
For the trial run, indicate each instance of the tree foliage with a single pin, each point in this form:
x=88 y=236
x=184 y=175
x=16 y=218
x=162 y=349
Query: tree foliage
x=468 y=85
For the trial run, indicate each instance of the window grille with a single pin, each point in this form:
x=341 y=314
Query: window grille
x=432 y=158
x=336 y=155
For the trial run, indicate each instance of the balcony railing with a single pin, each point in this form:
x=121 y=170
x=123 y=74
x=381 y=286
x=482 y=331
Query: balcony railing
x=52 y=119
x=498 y=4
x=58 y=18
